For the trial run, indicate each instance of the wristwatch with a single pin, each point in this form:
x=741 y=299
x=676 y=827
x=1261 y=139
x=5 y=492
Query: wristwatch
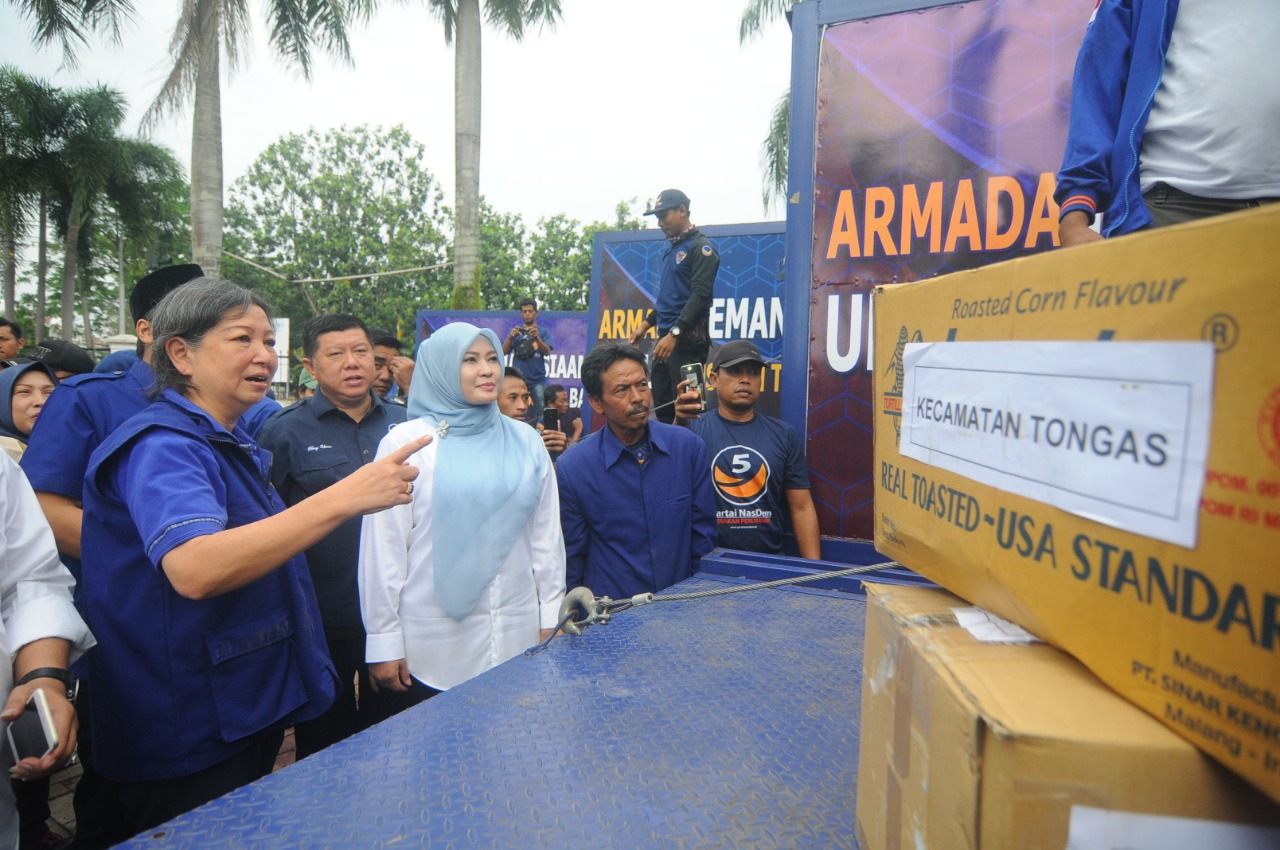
x=66 y=677
x=675 y=331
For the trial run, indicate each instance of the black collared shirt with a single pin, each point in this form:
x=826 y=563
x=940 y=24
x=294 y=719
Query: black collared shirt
x=313 y=445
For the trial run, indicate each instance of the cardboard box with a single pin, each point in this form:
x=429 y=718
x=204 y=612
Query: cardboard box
x=979 y=746
x=1188 y=631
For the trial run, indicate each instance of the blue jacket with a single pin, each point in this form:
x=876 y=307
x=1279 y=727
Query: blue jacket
x=629 y=528
x=688 y=277
x=185 y=684
x=1118 y=71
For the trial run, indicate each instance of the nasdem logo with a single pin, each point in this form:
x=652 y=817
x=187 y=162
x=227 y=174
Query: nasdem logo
x=741 y=474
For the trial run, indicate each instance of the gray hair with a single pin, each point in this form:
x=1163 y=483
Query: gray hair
x=189 y=313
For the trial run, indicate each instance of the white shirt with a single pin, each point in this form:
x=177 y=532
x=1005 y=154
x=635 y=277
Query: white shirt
x=1216 y=116
x=397 y=583
x=35 y=600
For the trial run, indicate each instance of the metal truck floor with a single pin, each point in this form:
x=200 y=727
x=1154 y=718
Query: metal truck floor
x=724 y=722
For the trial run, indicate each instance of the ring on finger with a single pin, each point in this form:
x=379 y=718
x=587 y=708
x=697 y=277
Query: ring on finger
x=408 y=489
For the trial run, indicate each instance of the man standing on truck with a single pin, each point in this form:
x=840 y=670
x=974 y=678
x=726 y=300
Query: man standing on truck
x=1173 y=116
x=683 y=311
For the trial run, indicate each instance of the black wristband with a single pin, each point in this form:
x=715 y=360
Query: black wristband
x=66 y=677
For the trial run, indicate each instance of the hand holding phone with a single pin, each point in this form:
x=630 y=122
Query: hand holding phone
x=692 y=373
x=550 y=419
x=32 y=734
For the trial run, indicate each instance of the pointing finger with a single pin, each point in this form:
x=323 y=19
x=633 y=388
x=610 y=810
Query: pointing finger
x=407 y=451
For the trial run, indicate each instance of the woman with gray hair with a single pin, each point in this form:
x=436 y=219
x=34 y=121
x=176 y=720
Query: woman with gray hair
x=210 y=641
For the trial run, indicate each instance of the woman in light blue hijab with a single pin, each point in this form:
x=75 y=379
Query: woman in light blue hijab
x=471 y=572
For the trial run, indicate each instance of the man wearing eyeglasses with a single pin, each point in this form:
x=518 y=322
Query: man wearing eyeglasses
x=682 y=312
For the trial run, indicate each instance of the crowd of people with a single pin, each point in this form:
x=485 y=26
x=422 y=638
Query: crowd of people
x=197 y=568
x=215 y=568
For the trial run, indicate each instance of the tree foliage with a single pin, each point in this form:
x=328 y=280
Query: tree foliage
x=350 y=201
x=63 y=162
x=757 y=15
x=361 y=201
x=70 y=21
x=204 y=31
x=560 y=256
x=550 y=262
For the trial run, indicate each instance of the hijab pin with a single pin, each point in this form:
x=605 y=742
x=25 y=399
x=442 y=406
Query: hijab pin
x=442 y=429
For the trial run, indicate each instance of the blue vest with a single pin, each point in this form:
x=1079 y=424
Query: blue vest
x=180 y=685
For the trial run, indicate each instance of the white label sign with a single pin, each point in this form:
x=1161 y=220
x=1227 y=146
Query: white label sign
x=1117 y=432
x=1099 y=829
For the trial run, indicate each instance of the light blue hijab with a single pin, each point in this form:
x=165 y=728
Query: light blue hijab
x=488 y=473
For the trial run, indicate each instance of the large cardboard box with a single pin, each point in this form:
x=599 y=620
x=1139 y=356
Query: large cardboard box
x=979 y=746
x=1091 y=448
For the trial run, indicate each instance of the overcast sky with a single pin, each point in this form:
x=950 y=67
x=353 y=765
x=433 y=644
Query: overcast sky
x=622 y=100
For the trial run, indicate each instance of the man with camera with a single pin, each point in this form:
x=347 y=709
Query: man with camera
x=531 y=347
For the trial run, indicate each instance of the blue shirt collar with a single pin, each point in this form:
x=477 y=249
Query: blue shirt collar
x=320 y=405
x=211 y=428
x=141 y=372
x=612 y=449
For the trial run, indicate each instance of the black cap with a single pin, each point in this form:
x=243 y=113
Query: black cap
x=62 y=356
x=668 y=199
x=738 y=351
x=148 y=291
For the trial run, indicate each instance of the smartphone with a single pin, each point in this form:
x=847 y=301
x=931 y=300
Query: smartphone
x=550 y=419
x=693 y=372
x=33 y=735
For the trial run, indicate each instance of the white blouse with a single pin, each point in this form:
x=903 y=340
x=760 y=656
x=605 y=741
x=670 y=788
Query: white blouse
x=397 y=585
x=35 y=598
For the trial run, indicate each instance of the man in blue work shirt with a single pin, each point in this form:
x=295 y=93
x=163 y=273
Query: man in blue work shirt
x=80 y=416
x=636 y=502
x=315 y=444
x=683 y=310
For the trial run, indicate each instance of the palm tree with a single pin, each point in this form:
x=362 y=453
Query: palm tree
x=462 y=27
x=206 y=28
x=755 y=17
x=108 y=186
x=33 y=120
x=147 y=194
x=70 y=21
x=23 y=101
x=88 y=160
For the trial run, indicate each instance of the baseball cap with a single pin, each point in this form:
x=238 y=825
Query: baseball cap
x=738 y=351
x=306 y=379
x=148 y=291
x=62 y=356
x=668 y=199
